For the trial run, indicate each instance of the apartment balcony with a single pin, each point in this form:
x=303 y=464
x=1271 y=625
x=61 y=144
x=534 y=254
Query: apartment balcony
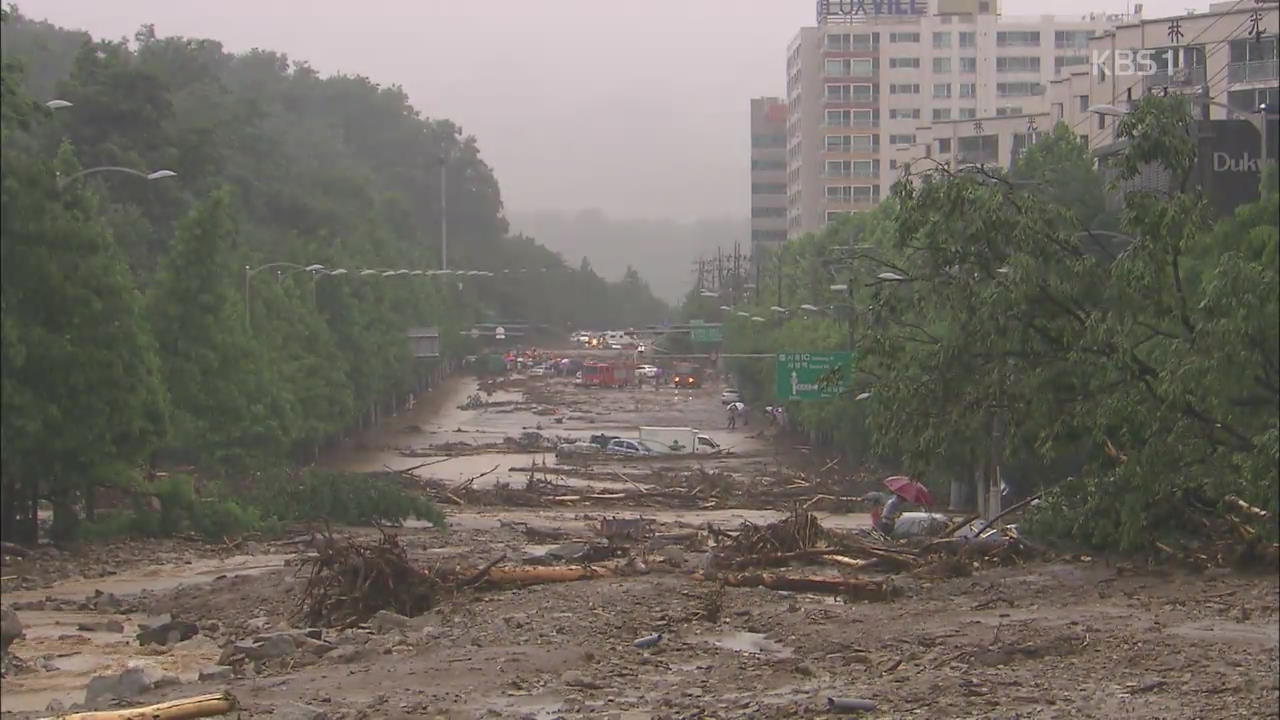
x=847 y=204
x=843 y=150
x=1176 y=78
x=1256 y=71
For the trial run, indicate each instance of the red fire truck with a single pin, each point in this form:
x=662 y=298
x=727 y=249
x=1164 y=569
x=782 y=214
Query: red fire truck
x=612 y=375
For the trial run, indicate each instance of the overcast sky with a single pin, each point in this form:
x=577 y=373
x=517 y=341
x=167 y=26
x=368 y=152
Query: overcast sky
x=636 y=107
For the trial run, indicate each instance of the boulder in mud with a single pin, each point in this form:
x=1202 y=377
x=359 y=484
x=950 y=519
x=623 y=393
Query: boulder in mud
x=170 y=633
x=217 y=673
x=10 y=628
x=129 y=684
x=386 y=621
x=104 y=602
x=271 y=647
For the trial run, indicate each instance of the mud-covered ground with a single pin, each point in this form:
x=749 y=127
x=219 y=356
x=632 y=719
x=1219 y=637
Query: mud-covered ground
x=1068 y=638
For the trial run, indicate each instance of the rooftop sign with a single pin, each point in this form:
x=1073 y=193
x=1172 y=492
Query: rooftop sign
x=847 y=9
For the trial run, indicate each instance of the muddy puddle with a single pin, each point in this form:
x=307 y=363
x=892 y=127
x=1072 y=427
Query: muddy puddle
x=750 y=643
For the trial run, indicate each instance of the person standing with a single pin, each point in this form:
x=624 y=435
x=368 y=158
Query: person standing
x=733 y=415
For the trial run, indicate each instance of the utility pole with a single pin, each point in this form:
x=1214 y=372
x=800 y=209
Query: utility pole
x=444 y=214
x=737 y=273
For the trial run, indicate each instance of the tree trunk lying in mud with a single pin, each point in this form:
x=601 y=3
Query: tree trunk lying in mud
x=856 y=588
x=201 y=706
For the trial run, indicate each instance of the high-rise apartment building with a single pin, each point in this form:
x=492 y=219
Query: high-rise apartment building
x=867 y=91
x=768 y=173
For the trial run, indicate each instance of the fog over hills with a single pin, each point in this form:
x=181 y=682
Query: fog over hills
x=662 y=251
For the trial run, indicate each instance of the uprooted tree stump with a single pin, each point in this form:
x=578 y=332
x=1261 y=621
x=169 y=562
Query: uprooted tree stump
x=350 y=581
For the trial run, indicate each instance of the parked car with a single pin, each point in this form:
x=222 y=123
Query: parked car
x=623 y=446
x=537 y=371
x=730 y=396
x=646 y=371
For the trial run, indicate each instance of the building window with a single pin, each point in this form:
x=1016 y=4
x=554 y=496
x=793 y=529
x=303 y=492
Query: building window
x=1084 y=139
x=1059 y=111
x=944 y=146
x=968 y=113
x=849 y=67
x=839 y=118
x=904 y=37
x=904 y=62
x=768 y=188
x=1253 y=60
x=968 y=64
x=941 y=40
x=768 y=165
x=864 y=143
x=942 y=64
x=842 y=41
x=839 y=143
x=1066 y=61
x=968 y=90
x=1004 y=110
x=893 y=164
x=978 y=149
x=942 y=90
x=1027 y=63
x=839 y=168
x=846 y=42
x=904 y=89
x=864 y=193
x=768 y=212
x=1018 y=38
x=840 y=193
x=968 y=39
x=907 y=139
x=941 y=114
x=1102 y=121
x=1084 y=102
x=904 y=113
x=769 y=235
x=1247 y=101
x=866 y=168
x=1019 y=89
x=776 y=141
x=1071 y=39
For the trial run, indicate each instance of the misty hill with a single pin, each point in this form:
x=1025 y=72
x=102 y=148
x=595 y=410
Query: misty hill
x=662 y=251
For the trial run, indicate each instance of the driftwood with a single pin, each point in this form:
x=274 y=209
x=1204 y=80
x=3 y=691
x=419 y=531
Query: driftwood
x=521 y=576
x=856 y=588
x=201 y=706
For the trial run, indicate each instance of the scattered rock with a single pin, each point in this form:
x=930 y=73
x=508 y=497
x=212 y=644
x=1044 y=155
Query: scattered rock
x=673 y=556
x=270 y=647
x=106 y=626
x=346 y=654
x=298 y=711
x=35 y=605
x=128 y=684
x=153 y=621
x=260 y=625
x=104 y=602
x=170 y=633
x=10 y=628
x=216 y=673
x=314 y=647
x=578 y=679
x=55 y=706
x=385 y=620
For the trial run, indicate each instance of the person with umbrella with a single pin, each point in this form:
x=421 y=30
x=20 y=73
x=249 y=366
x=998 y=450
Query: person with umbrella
x=887 y=507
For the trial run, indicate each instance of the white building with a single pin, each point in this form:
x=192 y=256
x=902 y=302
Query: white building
x=866 y=91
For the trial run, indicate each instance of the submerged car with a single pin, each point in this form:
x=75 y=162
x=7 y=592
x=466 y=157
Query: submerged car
x=730 y=396
x=624 y=446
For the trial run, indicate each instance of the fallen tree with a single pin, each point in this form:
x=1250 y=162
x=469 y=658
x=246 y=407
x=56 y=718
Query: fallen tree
x=200 y=706
x=852 y=588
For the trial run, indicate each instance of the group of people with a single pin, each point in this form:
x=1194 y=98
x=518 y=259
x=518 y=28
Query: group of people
x=739 y=411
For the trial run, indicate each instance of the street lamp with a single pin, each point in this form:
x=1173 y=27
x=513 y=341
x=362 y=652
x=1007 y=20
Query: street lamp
x=809 y=308
x=250 y=272
x=154 y=175
x=707 y=293
x=743 y=314
x=891 y=277
x=56 y=104
x=778 y=309
x=757 y=318
x=863 y=396
x=726 y=308
x=839 y=287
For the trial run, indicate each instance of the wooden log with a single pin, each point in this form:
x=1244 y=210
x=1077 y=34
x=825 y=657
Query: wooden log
x=521 y=576
x=201 y=706
x=856 y=588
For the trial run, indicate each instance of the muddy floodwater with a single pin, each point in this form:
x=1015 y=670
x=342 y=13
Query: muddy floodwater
x=1059 y=637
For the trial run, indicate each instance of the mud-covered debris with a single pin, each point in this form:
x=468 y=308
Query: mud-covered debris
x=102 y=626
x=298 y=711
x=386 y=621
x=10 y=628
x=217 y=673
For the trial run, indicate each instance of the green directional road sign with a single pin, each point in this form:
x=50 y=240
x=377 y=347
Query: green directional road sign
x=812 y=376
x=709 y=334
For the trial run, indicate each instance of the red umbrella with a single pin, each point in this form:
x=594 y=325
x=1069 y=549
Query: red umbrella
x=909 y=490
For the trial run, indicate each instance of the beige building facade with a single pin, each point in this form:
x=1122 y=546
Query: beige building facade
x=768 y=173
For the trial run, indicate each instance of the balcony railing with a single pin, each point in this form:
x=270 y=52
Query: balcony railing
x=1178 y=77
x=850 y=99
x=1255 y=71
x=860 y=200
x=853 y=125
x=851 y=174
